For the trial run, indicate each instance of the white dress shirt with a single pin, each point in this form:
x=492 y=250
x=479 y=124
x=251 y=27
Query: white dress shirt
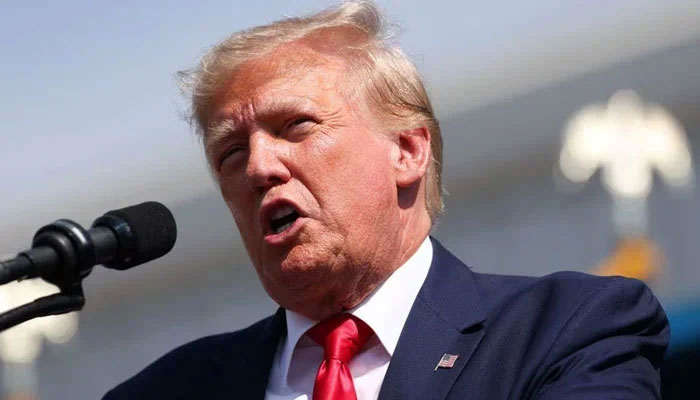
x=385 y=310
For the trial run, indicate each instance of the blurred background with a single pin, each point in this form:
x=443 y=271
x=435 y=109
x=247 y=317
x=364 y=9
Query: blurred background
x=571 y=129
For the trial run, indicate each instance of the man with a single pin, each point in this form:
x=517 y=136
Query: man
x=324 y=144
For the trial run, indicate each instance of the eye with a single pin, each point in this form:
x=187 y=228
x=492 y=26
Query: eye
x=301 y=120
x=228 y=154
x=298 y=121
x=297 y=128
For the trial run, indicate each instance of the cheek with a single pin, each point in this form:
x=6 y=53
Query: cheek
x=356 y=176
x=246 y=222
x=239 y=202
x=370 y=165
x=350 y=154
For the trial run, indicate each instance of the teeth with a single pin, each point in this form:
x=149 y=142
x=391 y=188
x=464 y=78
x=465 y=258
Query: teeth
x=283 y=227
x=283 y=212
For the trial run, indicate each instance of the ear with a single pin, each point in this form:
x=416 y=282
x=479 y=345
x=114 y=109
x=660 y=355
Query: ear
x=413 y=156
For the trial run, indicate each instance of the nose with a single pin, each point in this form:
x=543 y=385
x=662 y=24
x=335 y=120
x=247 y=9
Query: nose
x=265 y=166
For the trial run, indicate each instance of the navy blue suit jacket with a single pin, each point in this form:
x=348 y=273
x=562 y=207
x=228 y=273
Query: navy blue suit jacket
x=563 y=336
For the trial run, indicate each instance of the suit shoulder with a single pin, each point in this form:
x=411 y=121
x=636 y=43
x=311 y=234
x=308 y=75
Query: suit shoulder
x=582 y=287
x=560 y=293
x=572 y=283
x=190 y=362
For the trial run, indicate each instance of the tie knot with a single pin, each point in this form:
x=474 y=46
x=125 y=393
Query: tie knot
x=341 y=336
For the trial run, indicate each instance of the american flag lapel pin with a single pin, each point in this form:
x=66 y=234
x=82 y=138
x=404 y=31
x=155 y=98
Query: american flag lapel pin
x=447 y=361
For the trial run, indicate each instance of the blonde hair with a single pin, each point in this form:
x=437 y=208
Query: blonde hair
x=383 y=72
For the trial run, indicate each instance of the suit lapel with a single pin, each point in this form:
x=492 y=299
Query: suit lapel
x=446 y=318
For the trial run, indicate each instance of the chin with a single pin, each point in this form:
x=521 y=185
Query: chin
x=294 y=270
x=306 y=258
x=317 y=308
x=294 y=280
x=303 y=296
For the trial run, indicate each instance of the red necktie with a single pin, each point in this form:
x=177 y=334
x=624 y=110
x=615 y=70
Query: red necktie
x=341 y=336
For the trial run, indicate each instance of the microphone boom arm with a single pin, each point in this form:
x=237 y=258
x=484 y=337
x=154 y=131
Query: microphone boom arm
x=70 y=299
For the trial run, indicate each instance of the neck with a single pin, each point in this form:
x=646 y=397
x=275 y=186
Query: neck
x=413 y=229
x=357 y=280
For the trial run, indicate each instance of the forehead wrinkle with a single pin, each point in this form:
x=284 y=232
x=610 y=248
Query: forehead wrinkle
x=283 y=68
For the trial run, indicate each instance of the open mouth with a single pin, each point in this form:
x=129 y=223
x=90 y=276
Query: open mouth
x=282 y=219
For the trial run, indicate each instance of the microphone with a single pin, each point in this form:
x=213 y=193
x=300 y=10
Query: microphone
x=63 y=253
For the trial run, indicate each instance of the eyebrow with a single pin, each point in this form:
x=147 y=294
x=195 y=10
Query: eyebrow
x=276 y=105
x=221 y=129
x=217 y=133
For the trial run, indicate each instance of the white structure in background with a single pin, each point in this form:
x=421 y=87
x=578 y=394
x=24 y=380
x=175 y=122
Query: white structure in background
x=627 y=140
x=22 y=343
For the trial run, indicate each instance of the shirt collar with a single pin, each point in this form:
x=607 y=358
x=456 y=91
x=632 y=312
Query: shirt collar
x=385 y=310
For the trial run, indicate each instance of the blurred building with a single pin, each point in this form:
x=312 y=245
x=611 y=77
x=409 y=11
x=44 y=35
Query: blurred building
x=502 y=110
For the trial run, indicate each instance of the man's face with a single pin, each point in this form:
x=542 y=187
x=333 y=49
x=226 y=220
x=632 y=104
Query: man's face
x=308 y=179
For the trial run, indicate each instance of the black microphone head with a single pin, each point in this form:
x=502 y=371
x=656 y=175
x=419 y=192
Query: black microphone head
x=144 y=232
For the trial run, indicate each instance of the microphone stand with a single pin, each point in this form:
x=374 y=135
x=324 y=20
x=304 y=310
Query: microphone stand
x=63 y=254
x=67 y=300
x=76 y=255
